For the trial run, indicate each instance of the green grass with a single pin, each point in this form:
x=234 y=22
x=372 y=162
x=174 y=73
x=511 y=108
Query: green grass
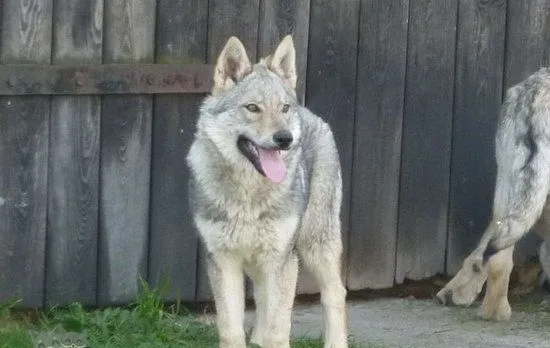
x=144 y=324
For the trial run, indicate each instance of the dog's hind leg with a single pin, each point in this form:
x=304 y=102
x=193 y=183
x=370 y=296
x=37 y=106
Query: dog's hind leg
x=323 y=261
x=227 y=282
x=495 y=305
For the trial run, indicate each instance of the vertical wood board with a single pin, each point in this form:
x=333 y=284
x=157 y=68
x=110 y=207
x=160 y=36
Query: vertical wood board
x=73 y=187
x=24 y=128
x=125 y=157
x=181 y=37
x=478 y=90
x=281 y=18
x=426 y=146
x=330 y=88
x=377 y=144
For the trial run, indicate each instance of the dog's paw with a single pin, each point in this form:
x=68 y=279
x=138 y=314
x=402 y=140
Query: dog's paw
x=500 y=311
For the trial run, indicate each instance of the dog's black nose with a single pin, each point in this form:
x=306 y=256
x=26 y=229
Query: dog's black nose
x=283 y=139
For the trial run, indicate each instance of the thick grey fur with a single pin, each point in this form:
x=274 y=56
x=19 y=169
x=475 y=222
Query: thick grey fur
x=251 y=224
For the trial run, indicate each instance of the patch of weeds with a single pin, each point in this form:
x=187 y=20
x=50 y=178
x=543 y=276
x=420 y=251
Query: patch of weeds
x=146 y=323
x=13 y=332
x=11 y=337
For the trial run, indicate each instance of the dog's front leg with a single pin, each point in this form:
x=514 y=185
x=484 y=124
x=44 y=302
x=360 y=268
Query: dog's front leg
x=275 y=286
x=260 y=298
x=227 y=281
x=495 y=304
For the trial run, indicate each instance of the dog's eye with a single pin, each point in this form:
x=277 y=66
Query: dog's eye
x=252 y=107
x=286 y=107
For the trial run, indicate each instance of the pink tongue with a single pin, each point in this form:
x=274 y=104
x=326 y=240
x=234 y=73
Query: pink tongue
x=272 y=164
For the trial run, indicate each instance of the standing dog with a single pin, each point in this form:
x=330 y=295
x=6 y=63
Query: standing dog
x=266 y=189
x=523 y=176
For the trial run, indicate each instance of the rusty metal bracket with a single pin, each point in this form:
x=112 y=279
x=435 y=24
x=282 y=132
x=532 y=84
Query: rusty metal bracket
x=30 y=79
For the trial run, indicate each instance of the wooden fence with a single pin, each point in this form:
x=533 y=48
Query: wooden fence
x=93 y=187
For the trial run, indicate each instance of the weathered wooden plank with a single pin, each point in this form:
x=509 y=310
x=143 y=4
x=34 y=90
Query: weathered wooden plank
x=527 y=49
x=281 y=18
x=125 y=157
x=426 y=146
x=73 y=187
x=181 y=37
x=527 y=37
x=228 y=18
x=24 y=126
x=478 y=91
x=40 y=79
x=330 y=87
x=377 y=144
x=221 y=26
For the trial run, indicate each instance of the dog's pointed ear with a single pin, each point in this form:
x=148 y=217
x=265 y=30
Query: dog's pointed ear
x=232 y=64
x=283 y=61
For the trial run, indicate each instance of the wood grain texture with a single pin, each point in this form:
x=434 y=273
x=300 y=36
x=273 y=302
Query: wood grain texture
x=173 y=247
x=221 y=26
x=228 y=18
x=281 y=18
x=478 y=91
x=527 y=37
x=125 y=157
x=527 y=49
x=73 y=187
x=377 y=145
x=330 y=88
x=24 y=127
x=426 y=147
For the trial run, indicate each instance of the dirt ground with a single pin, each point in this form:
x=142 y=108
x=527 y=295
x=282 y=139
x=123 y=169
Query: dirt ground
x=406 y=316
x=413 y=323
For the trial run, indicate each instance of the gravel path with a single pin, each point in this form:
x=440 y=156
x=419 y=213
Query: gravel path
x=410 y=323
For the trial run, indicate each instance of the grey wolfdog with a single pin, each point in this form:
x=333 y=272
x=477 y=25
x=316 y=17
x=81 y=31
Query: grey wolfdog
x=520 y=202
x=265 y=190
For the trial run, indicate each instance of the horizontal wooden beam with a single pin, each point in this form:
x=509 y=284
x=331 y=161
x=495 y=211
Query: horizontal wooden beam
x=31 y=79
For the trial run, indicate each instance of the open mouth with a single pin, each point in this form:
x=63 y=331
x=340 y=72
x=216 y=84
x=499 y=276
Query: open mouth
x=267 y=162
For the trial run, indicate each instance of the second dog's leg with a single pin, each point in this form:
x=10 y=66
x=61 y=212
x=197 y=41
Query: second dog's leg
x=227 y=282
x=495 y=304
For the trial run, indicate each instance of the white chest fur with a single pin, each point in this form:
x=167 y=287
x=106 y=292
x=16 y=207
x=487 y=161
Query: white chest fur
x=248 y=238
